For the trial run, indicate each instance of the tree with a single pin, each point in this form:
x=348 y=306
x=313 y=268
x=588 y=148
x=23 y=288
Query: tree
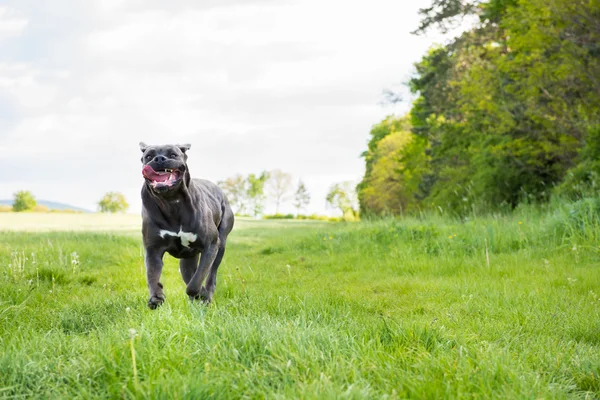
x=509 y=111
x=23 y=201
x=395 y=163
x=113 y=202
x=301 y=197
x=342 y=196
x=235 y=190
x=255 y=192
x=384 y=189
x=279 y=186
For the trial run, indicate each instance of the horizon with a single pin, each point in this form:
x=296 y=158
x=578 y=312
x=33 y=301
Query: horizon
x=245 y=83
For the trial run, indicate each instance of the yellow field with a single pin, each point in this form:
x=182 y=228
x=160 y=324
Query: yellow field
x=29 y=221
x=43 y=222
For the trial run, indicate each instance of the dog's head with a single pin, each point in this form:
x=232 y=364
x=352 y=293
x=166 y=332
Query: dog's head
x=165 y=169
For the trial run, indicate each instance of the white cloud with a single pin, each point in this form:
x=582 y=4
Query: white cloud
x=12 y=23
x=253 y=85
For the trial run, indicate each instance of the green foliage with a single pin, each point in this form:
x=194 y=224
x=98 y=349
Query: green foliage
x=342 y=196
x=314 y=217
x=246 y=194
x=509 y=110
x=388 y=184
x=113 y=202
x=23 y=201
x=445 y=14
x=279 y=216
x=584 y=179
x=255 y=192
x=428 y=307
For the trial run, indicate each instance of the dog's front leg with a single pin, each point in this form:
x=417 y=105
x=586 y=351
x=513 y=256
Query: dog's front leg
x=206 y=261
x=154 y=265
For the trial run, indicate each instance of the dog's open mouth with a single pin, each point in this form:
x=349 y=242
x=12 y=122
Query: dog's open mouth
x=161 y=178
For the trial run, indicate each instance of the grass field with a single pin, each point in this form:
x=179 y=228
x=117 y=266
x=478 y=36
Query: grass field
x=495 y=307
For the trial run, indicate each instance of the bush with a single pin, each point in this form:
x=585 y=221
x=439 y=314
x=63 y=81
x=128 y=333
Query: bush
x=66 y=211
x=24 y=201
x=279 y=216
x=313 y=217
x=113 y=202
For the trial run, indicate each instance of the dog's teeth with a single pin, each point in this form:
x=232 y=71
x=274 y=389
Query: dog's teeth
x=171 y=177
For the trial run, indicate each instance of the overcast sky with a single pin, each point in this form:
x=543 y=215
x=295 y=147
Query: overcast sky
x=252 y=84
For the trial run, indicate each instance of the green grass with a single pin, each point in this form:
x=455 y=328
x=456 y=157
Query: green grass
x=412 y=308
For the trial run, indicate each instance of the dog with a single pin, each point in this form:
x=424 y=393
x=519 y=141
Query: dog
x=188 y=218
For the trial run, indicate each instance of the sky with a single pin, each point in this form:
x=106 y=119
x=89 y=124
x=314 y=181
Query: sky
x=253 y=85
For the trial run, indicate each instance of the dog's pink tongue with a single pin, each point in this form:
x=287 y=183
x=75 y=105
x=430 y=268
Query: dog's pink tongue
x=148 y=172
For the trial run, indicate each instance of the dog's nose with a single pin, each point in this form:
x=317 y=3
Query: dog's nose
x=160 y=159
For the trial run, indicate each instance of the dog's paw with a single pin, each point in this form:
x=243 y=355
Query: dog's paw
x=155 y=301
x=205 y=295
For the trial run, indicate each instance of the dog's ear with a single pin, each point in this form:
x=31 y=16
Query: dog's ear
x=184 y=147
x=143 y=146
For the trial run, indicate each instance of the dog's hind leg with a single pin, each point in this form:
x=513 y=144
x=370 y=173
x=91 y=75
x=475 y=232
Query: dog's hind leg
x=207 y=291
x=207 y=258
x=187 y=267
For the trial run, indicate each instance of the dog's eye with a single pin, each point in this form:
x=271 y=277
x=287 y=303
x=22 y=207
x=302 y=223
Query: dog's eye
x=148 y=157
x=173 y=155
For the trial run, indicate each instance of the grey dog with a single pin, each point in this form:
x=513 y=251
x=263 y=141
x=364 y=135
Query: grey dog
x=187 y=218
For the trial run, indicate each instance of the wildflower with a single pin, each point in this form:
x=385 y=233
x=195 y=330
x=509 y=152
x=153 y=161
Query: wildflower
x=132 y=333
x=450 y=237
x=520 y=223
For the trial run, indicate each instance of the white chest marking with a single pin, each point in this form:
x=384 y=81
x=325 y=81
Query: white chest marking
x=186 y=237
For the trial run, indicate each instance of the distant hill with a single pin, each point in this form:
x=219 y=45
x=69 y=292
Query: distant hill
x=52 y=205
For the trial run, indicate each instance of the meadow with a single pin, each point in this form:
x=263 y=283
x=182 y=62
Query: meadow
x=503 y=306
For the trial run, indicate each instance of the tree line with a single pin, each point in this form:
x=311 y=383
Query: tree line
x=248 y=194
x=508 y=112
x=24 y=200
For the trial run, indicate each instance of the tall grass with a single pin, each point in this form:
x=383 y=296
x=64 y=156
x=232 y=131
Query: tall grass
x=503 y=306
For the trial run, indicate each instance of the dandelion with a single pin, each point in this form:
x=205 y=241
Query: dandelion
x=330 y=238
x=520 y=222
x=127 y=310
x=75 y=261
x=450 y=237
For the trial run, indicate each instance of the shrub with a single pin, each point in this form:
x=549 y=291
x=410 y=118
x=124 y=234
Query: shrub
x=279 y=216
x=23 y=201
